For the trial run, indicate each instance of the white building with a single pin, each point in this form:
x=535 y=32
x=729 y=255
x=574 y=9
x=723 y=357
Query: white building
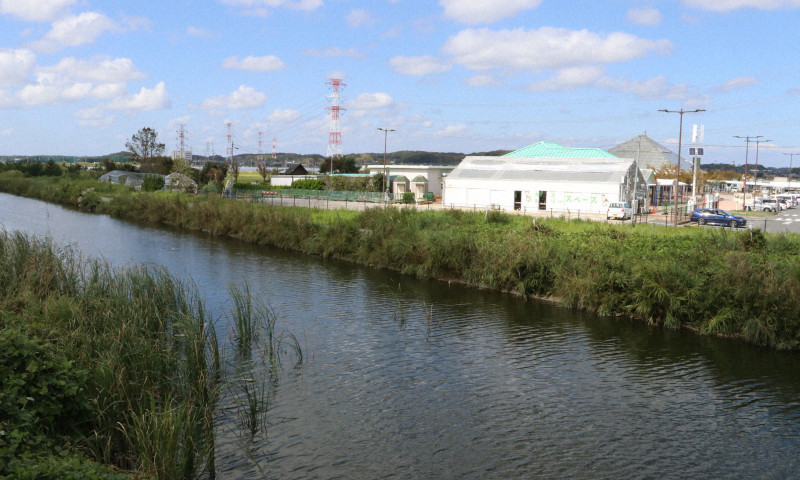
x=545 y=176
x=419 y=179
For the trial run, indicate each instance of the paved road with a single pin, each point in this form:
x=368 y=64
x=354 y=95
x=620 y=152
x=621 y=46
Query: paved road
x=785 y=221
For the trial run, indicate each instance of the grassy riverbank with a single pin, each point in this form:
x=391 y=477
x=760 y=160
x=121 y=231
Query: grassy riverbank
x=717 y=282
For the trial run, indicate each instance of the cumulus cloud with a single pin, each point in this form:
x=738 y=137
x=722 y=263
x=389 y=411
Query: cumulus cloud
x=654 y=88
x=15 y=66
x=269 y=63
x=426 y=65
x=737 y=83
x=45 y=94
x=243 y=98
x=74 y=30
x=147 y=99
x=98 y=70
x=729 y=5
x=283 y=116
x=358 y=17
x=371 y=101
x=546 y=48
x=34 y=10
x=644 y=16
x=484 y=11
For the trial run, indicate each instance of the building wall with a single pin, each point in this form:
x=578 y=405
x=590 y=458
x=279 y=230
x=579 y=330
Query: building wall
x=561 y=196
x=434 y=174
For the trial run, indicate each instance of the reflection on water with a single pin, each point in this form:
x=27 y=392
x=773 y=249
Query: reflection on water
x=405 y=378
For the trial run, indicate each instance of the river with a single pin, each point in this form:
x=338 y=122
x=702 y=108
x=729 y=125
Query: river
x=412 y=379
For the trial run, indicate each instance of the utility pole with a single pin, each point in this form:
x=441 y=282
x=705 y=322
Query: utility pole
x=680 y=136
x=791 y=157
x=746 y=151
x=385 y=139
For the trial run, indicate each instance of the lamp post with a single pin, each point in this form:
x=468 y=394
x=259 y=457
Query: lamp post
x=385 y=139
x=680 y=136
x=755 y=182
x=746 y=151
x=789 y=182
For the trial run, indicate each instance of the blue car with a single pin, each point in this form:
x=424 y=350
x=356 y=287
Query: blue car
x=715 y=216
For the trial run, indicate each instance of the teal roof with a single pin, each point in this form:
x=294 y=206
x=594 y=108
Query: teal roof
x=554 y=150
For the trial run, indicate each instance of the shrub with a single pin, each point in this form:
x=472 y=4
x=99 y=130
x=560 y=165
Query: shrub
x=152 y=183
x=408 y=197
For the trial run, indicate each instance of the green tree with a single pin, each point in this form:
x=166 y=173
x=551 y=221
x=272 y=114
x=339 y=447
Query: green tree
x=146 y=149
x=340 y=165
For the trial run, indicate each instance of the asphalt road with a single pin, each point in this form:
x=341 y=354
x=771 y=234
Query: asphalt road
x=786 y=221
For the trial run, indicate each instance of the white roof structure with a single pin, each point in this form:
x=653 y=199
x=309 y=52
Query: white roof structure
x=592 y=170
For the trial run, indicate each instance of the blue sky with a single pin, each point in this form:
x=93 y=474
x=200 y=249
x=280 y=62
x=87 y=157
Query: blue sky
x=79 y=77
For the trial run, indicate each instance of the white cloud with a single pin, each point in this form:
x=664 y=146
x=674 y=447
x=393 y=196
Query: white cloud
x=654 y=88
x=453 y=130
x=483 y=81
x=371 y=101
x=6 y=132
x=200 y=32
x=243 y=98
x=728 y=5
x=426 y=65
x=34 y=10
x=47 y=94
x=93 y=117
x=75 y=30
x=484 y=11
x=546 y=48
x=570 y=78
x=98 y=70
x=358 y=17
x=147 y=99
x=15 y=66
x=108 y=90
x=260 y=8
x=283 y=116
x=644 y=16
x=269 y=63
x=737 y=83
x=332 y=52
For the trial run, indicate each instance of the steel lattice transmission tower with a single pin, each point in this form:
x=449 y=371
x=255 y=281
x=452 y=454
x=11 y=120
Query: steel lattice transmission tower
x=335 y=137
x=274 y=148
x=229 y=152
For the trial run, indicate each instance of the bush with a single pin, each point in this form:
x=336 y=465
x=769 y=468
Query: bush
x=408 y=197
x=309 y=184
x=152 y=183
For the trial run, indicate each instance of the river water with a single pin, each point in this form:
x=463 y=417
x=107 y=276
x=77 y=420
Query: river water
x=413 y=379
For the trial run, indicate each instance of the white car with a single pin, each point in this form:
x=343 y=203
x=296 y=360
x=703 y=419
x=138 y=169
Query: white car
x=619 y=210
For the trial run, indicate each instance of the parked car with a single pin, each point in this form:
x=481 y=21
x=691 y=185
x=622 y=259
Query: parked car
x=619 y=210
x=715 y=216
x=775 y=205
x=759 y=205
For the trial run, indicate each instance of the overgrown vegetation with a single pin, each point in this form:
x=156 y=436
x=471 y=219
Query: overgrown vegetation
x=718 y=282
x=105 y=372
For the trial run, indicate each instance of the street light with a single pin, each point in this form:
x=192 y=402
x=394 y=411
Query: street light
x=680 y=136
x=746 y=151
x=789 y=183
x=385 y=139
x=755 y=183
